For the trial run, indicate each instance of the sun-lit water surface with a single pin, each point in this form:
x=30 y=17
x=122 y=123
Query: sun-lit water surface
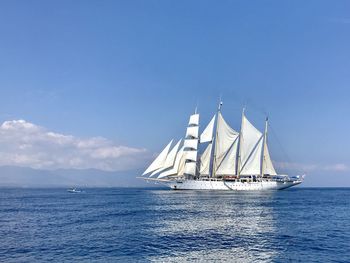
x=142 y=225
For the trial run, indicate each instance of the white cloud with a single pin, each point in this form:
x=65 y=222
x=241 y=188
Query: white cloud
x=25 y=144
x=300 y=167
x=338 y=167
x=18 y=124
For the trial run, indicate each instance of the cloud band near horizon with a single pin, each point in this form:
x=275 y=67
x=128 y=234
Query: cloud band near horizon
x=25 y=144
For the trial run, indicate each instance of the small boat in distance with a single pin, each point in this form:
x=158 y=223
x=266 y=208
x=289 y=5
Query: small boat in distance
x=73 y=190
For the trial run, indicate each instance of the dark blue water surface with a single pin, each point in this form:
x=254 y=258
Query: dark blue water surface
x=142 y=225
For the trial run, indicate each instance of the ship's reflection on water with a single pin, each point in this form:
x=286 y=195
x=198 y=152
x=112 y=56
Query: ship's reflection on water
x=211 y=226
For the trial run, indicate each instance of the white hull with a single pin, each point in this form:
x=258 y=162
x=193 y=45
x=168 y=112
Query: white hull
x=229 y=185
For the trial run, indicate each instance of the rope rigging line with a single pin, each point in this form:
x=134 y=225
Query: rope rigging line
x=280 y=144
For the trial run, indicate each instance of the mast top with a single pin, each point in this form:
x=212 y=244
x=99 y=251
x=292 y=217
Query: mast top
x=220 y=105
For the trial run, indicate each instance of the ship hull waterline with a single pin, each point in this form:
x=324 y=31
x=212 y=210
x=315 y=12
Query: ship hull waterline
x=228 y=185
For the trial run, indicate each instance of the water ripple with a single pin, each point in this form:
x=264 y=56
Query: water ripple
x=147 y=225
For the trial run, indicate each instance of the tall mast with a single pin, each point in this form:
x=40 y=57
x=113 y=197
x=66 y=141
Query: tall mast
x=239 y=164
x=213 y=171
x=196 y=171
x=264 y=147
x=197 y=168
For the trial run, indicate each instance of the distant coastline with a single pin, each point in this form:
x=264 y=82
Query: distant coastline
x=24 y=177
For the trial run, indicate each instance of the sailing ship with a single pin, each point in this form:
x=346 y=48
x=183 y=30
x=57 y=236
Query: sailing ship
x=231 y=160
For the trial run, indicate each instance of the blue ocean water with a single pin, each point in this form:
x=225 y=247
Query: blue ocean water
x=157 y=225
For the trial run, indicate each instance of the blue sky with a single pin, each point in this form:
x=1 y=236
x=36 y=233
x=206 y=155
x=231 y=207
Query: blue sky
x=132 y=71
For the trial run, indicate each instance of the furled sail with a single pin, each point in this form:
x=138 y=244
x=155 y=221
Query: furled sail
x=176 y=167
x=160 y=160
x=224 y=140
x=170 y=159
x=251 y=149
x=205 y=161
x=268 y=166
x=228 y=164
x=207 y=134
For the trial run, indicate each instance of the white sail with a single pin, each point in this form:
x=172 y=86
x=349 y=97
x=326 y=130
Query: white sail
x=205 y=161
x=228 y=164
x=207 y=134
x=249 y=138
x=224 y=139
x=268 y=166
x=176 y=167
x=160 y=160
x=156 y=171
x=192 y=132
x=182 y=165
x=190 y=168
x=191 y=155
x=170 y=159
x=191 y=143
x=194 y=120
x=253 y=164
x=190 y=146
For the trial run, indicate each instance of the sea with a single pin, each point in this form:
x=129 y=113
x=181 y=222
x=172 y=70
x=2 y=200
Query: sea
x=161 y=225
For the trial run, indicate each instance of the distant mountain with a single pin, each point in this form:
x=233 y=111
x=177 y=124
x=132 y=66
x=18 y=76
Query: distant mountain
x=12 y=176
